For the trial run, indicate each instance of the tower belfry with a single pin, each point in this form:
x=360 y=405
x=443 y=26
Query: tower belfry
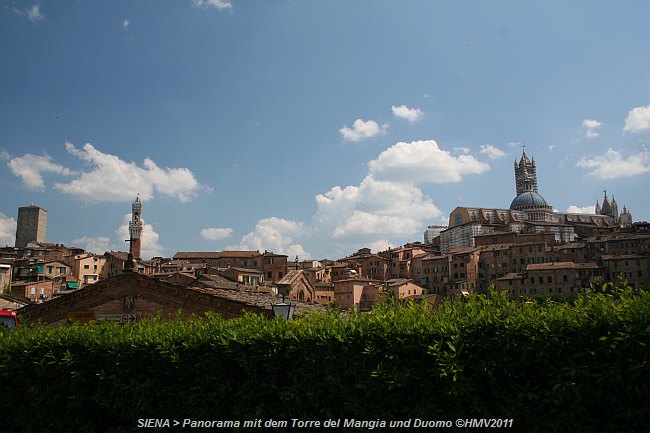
x=135 y=228
x=525 y=175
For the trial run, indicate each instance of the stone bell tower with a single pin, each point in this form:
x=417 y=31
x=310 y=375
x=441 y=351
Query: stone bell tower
x=525 y=175
x=135 y=228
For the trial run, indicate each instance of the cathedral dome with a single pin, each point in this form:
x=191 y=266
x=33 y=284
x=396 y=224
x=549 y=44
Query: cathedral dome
x=527 y=200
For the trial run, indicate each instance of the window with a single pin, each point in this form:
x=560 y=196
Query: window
x=565 y=278
x=86 y=266
x=50 y=269
x=549 y=279
x=541 y=280
x=33 y=290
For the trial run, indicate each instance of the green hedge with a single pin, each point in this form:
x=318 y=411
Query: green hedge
x=550 y=367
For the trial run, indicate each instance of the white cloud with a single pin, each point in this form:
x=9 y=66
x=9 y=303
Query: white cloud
x=112 y=179
x=364 y=223
x=7 y=230
x=492 y=152
x=638 y=120
x=216 y=4
x=359 y=215
x=29 y=168
x=149 y=238
x=125 y=24
x=379 y=246
x=612 y=165
x=97 y=244
x=361 y=130
x=410 y=114
x=423 y=161
x=552 y=147
x=591 y=126
x=34 y=13
x=584 y=210
x=216 y=234
x=275 y=234
x=385 y=209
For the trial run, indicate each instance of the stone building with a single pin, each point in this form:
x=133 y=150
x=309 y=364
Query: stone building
x=31 y=225
x=273 y=266
x=529 y=212
x=131 y=296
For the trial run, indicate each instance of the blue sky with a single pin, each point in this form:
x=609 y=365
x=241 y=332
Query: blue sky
x=313 y=128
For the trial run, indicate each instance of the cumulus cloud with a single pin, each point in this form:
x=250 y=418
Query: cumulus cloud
x=385 y=208
x=584 y=210
x=612 y=165
x=361 y=130
x=97 y=244
x=275 y=234
x=112 y=179
x=423 y=161
x=7 y=230
x=216 y=234
x=638 y=120
x=125 y=24
x=29 y=168
x=215 y=4
x=492 y=152
x=410 y=114
x=591 y=126
x=388 y=205
x=375 y=209
x=363 y=223
x=150 y=247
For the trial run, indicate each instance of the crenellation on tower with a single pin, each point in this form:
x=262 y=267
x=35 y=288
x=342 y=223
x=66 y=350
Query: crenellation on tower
x=135 y=228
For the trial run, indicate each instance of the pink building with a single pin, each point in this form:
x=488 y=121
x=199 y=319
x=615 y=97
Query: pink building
x=355 y=293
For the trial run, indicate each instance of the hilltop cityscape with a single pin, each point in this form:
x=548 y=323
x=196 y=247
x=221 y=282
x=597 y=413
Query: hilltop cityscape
x=526 y=250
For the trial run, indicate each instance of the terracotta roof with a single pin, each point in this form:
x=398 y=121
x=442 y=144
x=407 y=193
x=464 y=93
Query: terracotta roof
x=290 y=277
x=572 y=245
x=397 y=282
x=622 y=257
x=217 y=282
x=552 y=265
x=462 y=250
x=510 y=276
x=185 y=255
x=244 y=270
x=496 y=247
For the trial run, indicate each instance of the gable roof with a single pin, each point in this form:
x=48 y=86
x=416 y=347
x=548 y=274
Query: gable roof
x=172 y=297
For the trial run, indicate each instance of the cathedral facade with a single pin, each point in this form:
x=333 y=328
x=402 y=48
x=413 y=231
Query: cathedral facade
x=530 y=213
